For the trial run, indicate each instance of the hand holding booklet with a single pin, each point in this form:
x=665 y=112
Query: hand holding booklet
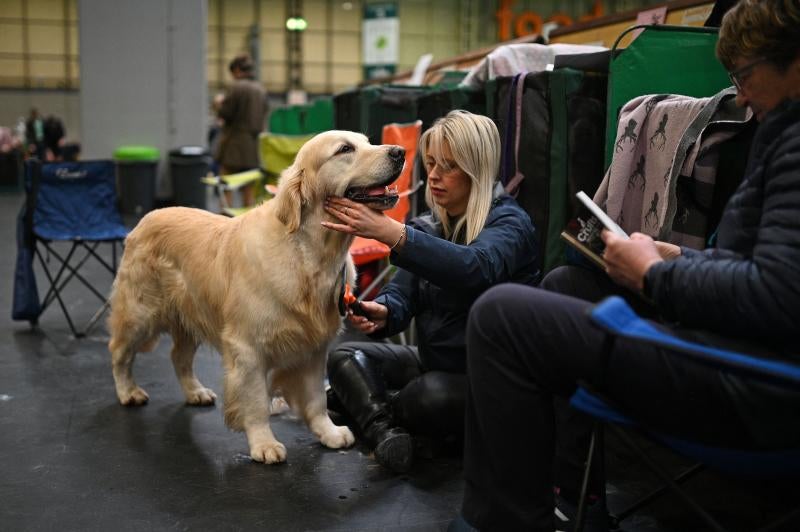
x=583 y=233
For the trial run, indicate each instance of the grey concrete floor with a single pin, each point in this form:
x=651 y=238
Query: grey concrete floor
x=71 y=458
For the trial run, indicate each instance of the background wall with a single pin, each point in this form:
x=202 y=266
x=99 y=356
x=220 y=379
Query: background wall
x=65 y=104
x=40 y=52
x=142 y=75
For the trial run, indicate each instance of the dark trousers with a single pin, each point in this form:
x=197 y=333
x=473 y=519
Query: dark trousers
x=426 y=403
x=526 y=346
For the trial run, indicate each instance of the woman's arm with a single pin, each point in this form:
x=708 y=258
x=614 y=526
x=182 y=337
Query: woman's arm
x=505 y=247
x=757 y=295
x=399 y=296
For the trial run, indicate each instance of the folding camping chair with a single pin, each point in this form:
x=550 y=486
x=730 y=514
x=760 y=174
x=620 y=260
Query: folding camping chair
x=617 y=319
x=232 y=183
x=276 y=153
x=73 y=203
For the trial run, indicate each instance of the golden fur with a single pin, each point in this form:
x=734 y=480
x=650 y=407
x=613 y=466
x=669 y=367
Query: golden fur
x=262 y=289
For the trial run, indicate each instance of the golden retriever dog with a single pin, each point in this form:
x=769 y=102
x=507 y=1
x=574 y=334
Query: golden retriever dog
x=263 y=289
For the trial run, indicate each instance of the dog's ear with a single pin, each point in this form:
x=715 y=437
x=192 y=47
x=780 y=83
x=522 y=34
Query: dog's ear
x=290 y=197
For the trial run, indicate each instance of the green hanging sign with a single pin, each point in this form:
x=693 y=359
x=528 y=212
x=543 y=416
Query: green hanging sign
x=381 y=35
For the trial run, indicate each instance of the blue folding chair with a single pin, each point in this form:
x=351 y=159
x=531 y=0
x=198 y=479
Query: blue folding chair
x=616 y=318
x=65 y=202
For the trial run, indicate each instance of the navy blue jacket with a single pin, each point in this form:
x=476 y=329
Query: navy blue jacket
x=749 y=285
x=438 y=280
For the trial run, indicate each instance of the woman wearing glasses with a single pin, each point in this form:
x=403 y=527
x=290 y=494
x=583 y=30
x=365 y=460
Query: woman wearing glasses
x=526 y=346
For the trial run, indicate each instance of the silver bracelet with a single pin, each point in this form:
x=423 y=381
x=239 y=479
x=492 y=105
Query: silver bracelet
x=402 y=234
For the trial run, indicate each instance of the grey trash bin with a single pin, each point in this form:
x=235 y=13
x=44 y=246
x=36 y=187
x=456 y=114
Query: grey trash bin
x=136 y=179
x=187 y=166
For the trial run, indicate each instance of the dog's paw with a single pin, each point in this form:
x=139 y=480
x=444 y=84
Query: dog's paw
x=134 y=397
x=278 y=406
x=201 y=397
x=337 y=438
x=269 y=453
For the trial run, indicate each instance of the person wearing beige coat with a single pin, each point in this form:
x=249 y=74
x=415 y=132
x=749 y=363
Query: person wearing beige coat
x=244 y=111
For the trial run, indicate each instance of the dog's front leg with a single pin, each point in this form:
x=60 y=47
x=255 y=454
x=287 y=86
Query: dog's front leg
x=303 y=389
x=247 y=405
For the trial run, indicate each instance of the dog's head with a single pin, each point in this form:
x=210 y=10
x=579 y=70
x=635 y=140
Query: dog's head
x=338 y=163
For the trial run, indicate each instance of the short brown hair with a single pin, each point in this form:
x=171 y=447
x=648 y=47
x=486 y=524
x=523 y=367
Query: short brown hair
x=241 y=62
x=760 y=28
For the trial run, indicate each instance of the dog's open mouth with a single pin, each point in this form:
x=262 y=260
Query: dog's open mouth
x=379 y=198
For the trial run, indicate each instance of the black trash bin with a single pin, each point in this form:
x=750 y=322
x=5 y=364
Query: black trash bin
x=187 y=166
x=136 y=179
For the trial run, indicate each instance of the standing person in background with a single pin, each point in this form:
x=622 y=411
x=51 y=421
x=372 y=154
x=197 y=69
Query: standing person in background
x=244 y=110
x=215 y=130
x=53 y=137
x=34 y=135
x=474 y=237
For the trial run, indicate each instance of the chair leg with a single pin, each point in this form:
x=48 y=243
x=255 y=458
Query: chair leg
x=377 y=280
x=73 y=270
x=94 y=319
x=54 y=288
x=712 y=523
x=92 y=251
x=647 y=499
x=597 y=434
x=60 y=280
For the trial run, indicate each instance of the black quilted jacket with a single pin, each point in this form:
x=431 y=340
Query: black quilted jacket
x=749 y=285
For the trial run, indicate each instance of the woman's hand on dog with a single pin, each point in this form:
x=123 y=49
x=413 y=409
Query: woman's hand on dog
x=360 y=220
x=373 y=319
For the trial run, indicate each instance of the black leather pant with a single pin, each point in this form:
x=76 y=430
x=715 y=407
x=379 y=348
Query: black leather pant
x=426 y=403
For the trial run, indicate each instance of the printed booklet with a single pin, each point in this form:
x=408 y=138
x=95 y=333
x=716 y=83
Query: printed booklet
x=583 y=232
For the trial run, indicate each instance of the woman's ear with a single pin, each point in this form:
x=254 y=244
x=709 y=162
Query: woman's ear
x=290 y=197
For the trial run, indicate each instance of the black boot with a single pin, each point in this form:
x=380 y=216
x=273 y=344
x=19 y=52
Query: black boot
x=363 y=394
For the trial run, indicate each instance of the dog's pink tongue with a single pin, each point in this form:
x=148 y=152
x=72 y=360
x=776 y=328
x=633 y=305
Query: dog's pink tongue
x=382 y=191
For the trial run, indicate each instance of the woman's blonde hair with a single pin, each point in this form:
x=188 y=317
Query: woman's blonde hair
x=475 y=144
x=753 y=29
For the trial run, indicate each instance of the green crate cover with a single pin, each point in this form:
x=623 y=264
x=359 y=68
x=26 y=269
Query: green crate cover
x=451 y=78
x=286 y=120
x=561 y=148
x=346 y=113
x=438 y=103
x=319 y=116
x=136 y=153
x=369 y=108
x=663 y=59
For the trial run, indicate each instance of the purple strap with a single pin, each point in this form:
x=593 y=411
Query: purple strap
x=506 y=170
x=513 y=184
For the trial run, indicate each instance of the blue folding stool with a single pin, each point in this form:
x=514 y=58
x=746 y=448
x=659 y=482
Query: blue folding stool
x=65 y=202
x=616 y=318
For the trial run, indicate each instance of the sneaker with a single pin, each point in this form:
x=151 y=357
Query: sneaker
x=595 y=520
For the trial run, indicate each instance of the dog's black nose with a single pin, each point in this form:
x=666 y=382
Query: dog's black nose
x=397 y=153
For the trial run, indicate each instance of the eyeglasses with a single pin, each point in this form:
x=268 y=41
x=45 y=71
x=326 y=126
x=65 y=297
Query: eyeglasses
x=740 y=75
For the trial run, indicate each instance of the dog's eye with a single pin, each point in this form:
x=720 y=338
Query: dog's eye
x=346 y=148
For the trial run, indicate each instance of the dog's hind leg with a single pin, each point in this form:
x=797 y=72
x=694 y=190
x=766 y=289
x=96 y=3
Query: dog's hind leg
x=183 y=350
x=304 y=390
x=123 y=352
x=247 y=404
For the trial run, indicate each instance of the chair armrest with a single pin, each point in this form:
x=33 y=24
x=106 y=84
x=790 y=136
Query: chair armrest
x=617 y=318
x=237 y=181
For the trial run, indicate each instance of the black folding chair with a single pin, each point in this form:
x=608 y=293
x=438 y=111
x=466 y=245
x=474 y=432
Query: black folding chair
x=617 y=319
